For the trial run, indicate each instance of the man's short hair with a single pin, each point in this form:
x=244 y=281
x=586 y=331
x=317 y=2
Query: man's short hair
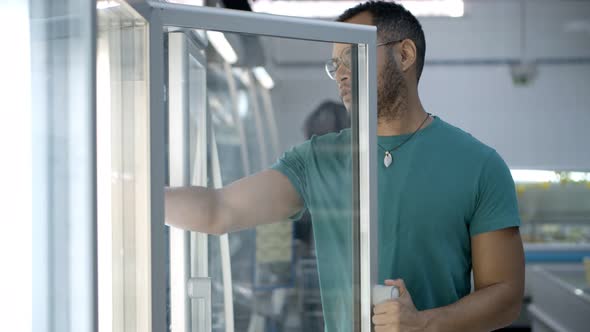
x=393 y=22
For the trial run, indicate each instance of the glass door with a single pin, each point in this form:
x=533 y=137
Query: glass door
x=186 y=99
x=222 y=127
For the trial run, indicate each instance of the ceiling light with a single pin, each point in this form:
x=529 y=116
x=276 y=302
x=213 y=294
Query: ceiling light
x=534 y=176
x=332 y=9
x=222 y=46
x=448 y=8
x=189 y=2
x=578 y=176
x=263 y=77
x=104 y=4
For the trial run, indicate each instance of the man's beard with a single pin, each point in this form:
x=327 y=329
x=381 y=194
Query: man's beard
x=392 y=93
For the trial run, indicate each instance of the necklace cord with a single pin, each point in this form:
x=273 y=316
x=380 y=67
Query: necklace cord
x=407 y=139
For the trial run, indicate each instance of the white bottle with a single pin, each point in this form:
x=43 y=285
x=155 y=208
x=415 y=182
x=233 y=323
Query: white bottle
x=382 y=293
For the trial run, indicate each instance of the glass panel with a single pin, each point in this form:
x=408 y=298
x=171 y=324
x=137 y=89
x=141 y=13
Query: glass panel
x=274 y=282
x=554 y=210
x=47 y=171
x=122 y=170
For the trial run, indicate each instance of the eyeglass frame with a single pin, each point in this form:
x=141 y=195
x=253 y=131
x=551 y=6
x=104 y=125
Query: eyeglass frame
x=338 y=60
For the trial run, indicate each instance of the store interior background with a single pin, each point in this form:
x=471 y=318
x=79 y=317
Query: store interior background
x=513 y=73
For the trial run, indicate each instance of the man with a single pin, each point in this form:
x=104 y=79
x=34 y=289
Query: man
x=447 y=204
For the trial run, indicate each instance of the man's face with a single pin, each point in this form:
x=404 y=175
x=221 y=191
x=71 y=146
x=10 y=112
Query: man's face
x=341 y=52
x=391 y=86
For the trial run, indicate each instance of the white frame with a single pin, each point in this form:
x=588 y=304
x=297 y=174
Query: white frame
x=160 y=15
x=116 y=311
x=178 y=168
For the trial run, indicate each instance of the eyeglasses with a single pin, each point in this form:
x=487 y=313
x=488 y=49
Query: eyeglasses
x=345 y=58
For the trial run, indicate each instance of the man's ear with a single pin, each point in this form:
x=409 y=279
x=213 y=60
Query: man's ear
x=408 y=53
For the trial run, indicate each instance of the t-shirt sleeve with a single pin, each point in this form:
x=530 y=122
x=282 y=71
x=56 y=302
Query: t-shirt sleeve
x=293 y=164
x=496 y=206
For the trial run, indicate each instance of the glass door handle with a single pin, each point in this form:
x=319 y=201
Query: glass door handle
x=200 y=289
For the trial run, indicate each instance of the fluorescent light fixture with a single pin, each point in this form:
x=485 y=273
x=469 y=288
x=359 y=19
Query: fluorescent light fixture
x=222 y=46
x=188 y=2
x=104 y=4
x=579 y=176
x=445 y=8
x=263 y=77
x=534 y=176
x=331 y=9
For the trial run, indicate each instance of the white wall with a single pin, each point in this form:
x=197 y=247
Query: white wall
x=492 y=29
x=543 y=125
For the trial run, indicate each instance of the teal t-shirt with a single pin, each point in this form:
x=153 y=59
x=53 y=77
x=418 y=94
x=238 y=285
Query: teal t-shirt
x=443 y=188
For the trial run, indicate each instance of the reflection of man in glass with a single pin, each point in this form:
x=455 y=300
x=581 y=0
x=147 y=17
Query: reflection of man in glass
x=447 y=204
x=328 y=117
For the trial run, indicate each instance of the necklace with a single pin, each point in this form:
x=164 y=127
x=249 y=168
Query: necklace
x=388 y=159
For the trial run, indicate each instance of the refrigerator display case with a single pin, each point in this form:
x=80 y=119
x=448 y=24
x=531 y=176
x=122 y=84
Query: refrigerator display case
x=555 y=218
x=181 y=102
x=555 y=229
x=561 y=299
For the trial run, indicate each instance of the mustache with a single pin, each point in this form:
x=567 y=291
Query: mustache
x=344 y=90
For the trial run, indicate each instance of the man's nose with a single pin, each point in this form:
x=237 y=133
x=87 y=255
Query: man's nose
x=342 y=74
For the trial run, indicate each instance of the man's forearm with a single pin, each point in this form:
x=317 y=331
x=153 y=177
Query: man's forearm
x=484 y=310
x=193 y=208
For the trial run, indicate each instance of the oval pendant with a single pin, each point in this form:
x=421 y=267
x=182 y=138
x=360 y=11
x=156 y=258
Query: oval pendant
x=388 y=159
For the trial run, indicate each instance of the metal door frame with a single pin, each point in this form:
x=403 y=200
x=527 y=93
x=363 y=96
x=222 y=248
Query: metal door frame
x=160 y=15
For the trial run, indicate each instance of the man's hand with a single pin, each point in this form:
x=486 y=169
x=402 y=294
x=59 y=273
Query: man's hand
x=398 y=315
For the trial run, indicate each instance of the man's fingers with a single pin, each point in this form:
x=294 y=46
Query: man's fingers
x=399 y=283
x=381 y=308
x=383 y=328
x=384 y=319
x=387 y=328
x=391 y=306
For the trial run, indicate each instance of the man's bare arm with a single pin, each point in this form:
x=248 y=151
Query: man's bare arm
x=262 y=198
x=498 y=269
